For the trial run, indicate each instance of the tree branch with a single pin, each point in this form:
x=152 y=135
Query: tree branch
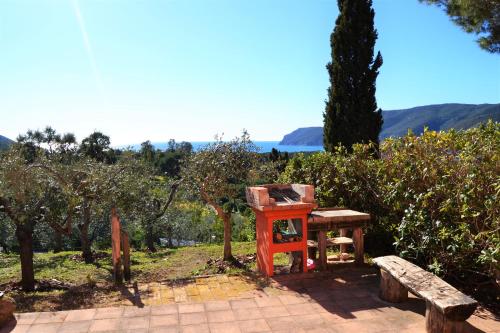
x=218 y=209
x=173 y=190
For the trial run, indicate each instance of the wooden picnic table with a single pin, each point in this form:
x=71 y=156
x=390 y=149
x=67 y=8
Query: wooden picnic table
x=328 y=219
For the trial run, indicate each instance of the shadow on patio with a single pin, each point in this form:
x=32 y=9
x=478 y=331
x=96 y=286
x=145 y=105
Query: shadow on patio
x=347 y=296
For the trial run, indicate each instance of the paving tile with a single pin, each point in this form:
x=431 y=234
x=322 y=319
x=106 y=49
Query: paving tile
x=192 y=290
x=75 y=326
x=135 y=330
x=254 y=325
x=199 y=328
x=12 y=327
x=220 y=316
x=44 y=328
x=280 y=323
x=164 y=309
x=180 y=294
x=301 y=309
x=317 y=330
x=165 y=329
x=291 y=330
x=232 y=327
x=291 y=299
x=190 y=308
x=243 y=304
x=334 y=318
x=364 y=314
x=131 y=323
x=112 y=312
x=164 y=320
x=133 y=311
x=309 y=320
x=247 y=313
x=80 y=315
x=268 y=301
x=101 y=325
x=193 y=318
x=401 y=321
x=274 y=311
x=26 y=318
x=217 y=305
x=51 y=317
x=485 y=324
x=353 y=326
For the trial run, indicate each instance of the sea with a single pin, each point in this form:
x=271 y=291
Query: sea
x=264 y=146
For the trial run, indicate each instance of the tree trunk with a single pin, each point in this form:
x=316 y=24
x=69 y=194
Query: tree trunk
x=57 y=241
x=25 y=238
x=84 y=234
x=150 y=242
x=169 y=237
x=228 y=255
x=226 y=218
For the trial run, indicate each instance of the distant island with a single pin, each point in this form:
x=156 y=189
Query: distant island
x=397 y=122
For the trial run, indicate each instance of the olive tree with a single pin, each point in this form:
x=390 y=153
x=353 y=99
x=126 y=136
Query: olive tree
x=157 y=193
x=98 y=187
x=24 y=193
x=218 y=173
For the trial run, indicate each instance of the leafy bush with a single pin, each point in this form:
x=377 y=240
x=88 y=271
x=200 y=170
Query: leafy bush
x=435 y=197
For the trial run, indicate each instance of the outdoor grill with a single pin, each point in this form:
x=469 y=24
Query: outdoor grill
x=282 y=212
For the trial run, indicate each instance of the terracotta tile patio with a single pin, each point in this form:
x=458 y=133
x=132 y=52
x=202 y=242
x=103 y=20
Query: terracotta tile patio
x=341 y=301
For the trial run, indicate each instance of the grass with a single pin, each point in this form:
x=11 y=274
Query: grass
x=59 y=266
x=91 y=284
x=166 y=264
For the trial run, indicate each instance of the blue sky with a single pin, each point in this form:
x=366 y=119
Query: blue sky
x=189 y=69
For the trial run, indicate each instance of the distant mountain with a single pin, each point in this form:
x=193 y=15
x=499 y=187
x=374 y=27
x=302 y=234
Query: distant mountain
x=397 y=122
x=5 y=142
x=304 y=136
x=437 y=117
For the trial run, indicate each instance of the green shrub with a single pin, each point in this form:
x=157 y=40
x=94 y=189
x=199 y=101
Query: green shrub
x=434 y=197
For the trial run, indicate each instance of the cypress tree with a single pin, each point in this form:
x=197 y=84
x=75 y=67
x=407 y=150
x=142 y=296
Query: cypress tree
x=351 y=113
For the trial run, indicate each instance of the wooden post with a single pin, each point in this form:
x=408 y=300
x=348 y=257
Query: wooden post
x=126 y=255
x=357 y=239
x=437 y=322
x=390 y=288
x=343 y=247
x=115 y=247
x=296 y=258
x=322 y=249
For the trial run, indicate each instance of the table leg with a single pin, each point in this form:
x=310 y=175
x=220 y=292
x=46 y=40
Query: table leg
x=311 y=252
x=343 y=247
x=322 y=249
x=357 y=239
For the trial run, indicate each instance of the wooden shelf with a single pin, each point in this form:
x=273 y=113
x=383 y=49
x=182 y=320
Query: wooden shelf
x=331 y=242
x=287 y=247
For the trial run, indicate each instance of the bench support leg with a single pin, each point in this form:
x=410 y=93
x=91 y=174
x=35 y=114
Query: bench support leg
x=436 y=322
x=390 y=289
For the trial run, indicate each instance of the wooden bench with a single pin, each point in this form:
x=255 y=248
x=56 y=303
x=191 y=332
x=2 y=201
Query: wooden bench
x=447 y=309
